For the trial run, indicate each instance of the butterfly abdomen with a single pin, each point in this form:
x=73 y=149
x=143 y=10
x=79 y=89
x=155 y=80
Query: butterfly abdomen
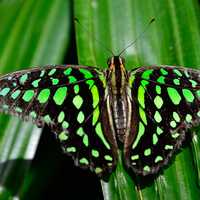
x=119 y=116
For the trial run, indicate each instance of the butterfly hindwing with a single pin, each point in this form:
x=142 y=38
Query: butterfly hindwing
x=166 y=102
x=69 y=100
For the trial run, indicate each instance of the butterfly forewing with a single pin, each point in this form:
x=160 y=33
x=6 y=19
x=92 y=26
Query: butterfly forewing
x=166 y=102
x=69 y=100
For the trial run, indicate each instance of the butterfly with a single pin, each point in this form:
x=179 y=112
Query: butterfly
x=96 y=113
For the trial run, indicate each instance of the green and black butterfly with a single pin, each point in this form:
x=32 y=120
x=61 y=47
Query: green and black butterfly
x=94 y=113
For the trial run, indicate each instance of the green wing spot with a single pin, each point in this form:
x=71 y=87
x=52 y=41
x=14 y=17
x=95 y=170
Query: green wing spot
x=176 y=117
x=168 y=147
x=107 y=157
x=23 y=79
x=84 y=161
x=95 y=116
x=77 y=101
x=55 y=81
x=159 y=131
x=177 y=72
x=61 y=117
x=85 y=140
x=186 y=74
x=65 y=125
x=98 y=170
x=174 y=95
x=194 y=83
x=155 y=139
x=141 y=92
x=63 y=136
x=35 y=83
x=5 y=91
x=95 y=96
x=158 y=159
x=99 y=132
x=60 y=95
x=80 y=131
x=87 y=74
x=188 y=95
x=157 y=117
x=95 y=153
x=18 y=109
x=158 y=101
x=188 y=118
x=28 y=95
x=90 y=83
x=141 y=130
x=173 y=124
x=198 y=93
x=68 y=71
x=163 y=71
x=43 y=95
x=76 y=89
x=147 y=168
x=47 y=119
x=143 y=115
x=71 y=149
x=33 y=114
x=135 y=157
x=158 y=89
x=198 y=113
x=146 y=74
x=161 y=79
x=147 y=152
x=176 y=81
x=51 y=72
x=144 y=83
x=80 y=117
x=175 y=135
x=15 y=94
x=72 y=79
x=42 y=73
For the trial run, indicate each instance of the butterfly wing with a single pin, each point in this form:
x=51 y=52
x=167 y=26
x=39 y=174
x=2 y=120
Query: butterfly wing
x=69 y=100
x=166 y=102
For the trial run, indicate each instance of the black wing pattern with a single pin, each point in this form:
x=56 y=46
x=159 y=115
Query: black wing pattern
x=166 y=102
x=69 y=100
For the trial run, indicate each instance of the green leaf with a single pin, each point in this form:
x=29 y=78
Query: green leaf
x=173 y=39
x=32 y=33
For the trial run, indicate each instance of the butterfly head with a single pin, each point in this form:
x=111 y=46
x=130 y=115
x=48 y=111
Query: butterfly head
x=116 y=73
x=116 y=63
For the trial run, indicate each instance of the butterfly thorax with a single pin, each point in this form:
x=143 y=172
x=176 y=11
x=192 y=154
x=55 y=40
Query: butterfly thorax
x=117 y=81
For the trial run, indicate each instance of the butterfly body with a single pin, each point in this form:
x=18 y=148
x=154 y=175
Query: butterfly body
x=118 y=100
x=94 y=113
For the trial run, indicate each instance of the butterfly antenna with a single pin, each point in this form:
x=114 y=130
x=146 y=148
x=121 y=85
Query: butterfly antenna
x=101 y=43
x=137 y=38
